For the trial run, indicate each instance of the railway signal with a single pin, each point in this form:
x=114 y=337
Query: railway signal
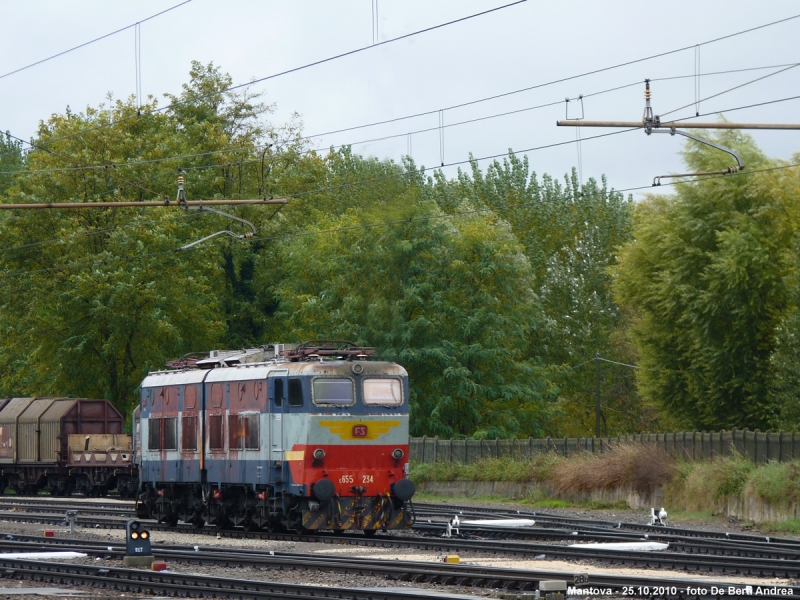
x=138 y=552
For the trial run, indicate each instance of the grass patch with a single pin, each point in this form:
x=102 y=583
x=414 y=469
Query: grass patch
x=790 y=526
x=692 y=490
x=777 y=483
x=550 y=503
x=538 y=469
x=698 y=486
x=636 y=466
x=690 y=515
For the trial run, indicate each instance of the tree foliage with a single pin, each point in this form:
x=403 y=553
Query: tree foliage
x=709 y=278
x=487 y=287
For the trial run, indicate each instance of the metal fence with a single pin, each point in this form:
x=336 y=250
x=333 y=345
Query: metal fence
x=756 y=445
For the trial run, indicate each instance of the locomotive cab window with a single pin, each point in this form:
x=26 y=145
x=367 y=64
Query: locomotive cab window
x=383 y=392
x=334 y=392
x=295 y=392
x=278 y=392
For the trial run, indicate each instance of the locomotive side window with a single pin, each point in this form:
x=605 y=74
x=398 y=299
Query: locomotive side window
x=383 y=392
x=170 y=426
x=243 y=431
x=234 y=432
x=250 y=432
x=188 y=433
x=278 y=392
x=154 y=434
x=336 y=392
x=217 y=395
x=216 y=438
x=190 y=397
x=295 y=393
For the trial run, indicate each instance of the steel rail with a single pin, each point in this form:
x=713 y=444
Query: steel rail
x=774 y=549
x=759 y=567
x=543 y=517
x=445 y=574
x=690 y=545
x=186 y=585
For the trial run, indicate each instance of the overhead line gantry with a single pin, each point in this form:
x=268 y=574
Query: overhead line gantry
x=653 y=124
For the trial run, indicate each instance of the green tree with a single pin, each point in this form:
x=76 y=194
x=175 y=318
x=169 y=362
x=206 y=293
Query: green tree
x=448 y=298
x=89 y=313
x=11 y=160
x=708 y=279
x=569 y=232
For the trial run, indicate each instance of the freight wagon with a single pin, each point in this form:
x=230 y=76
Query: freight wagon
x=64 y=445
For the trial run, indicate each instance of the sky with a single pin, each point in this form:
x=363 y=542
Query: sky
x=521 y=46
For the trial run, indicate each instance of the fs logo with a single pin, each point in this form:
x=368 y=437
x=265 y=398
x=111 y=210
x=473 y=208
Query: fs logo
x=359 y=431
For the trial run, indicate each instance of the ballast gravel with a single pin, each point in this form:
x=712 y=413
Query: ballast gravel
x=304 y=576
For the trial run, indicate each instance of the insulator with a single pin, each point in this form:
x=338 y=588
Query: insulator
x=180 y=179
x=647 y=94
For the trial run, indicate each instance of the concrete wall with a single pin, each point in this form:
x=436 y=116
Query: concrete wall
x=518 y=491
x=748 y=507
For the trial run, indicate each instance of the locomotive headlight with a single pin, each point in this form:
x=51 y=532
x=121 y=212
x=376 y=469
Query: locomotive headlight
x=319 y=454
x=397 y=454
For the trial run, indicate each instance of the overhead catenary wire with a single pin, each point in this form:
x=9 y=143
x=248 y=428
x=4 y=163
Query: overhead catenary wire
x=102 y=37
x=406 y=174
x=296 y=69
x=438 y=127
x=736 y=87
x=176 y=251
x=499 y=155
x=459 y=105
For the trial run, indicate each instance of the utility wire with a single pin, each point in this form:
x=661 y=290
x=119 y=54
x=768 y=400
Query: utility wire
x=406 y=174
x=365 y=226
x=356 y=127
x=392 y=136
x=730 y=90
x=468 y=103
x=102 y=37
x=540 y=85
x=295 y=69
x=356 y=227
x=456 y=163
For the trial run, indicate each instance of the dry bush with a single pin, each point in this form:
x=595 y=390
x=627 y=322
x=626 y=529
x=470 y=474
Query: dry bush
x=639 y=466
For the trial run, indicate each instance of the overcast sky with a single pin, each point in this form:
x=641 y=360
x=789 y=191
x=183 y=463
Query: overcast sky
x=517 y=47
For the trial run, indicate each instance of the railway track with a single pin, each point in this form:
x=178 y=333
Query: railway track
x=774 y=549
x=728 y=565
x=691 y=545
x=37 y=505
x=407 y=571
x=423 y=510
x=190 y=585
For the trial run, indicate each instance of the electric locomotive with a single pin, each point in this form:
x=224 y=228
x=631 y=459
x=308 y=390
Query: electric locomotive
x=310 y=438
